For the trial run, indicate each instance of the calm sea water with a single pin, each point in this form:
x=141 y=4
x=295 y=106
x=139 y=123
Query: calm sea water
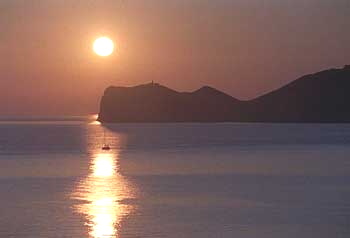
x=174 y=180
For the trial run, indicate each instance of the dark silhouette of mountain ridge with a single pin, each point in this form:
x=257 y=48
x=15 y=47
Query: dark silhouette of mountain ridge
x=319 y=97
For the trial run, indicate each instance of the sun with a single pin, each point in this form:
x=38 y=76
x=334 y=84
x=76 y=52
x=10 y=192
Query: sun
x=103 y=46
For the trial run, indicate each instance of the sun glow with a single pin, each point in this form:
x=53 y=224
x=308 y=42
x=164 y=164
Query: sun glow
x=103 y=46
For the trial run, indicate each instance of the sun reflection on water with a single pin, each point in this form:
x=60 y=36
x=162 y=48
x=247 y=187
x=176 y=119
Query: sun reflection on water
x=103 y=166
x=102 y=195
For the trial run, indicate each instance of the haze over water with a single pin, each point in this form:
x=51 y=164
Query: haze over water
x=174 y=180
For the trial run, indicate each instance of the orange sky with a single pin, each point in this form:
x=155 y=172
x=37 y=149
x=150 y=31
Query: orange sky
x=243 y=47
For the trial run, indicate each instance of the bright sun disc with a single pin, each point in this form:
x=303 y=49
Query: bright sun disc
x=103 y=46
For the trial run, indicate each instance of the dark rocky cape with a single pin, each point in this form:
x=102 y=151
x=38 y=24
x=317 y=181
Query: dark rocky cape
x=320 y=97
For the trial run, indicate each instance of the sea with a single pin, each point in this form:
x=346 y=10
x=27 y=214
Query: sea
x=181 y=180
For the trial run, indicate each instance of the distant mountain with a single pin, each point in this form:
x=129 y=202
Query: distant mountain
x=320 y=97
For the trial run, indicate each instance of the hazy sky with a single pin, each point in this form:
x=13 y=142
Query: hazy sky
x=243 y=47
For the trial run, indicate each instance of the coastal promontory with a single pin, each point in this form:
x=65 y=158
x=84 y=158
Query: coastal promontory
x=321 y=97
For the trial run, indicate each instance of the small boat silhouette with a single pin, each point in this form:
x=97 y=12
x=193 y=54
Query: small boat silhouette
x=106 y=147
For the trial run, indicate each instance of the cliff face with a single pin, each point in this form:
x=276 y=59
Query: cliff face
x=320 y=97
x=156 y=103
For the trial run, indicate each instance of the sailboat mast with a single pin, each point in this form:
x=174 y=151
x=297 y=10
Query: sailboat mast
x=104 y=136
